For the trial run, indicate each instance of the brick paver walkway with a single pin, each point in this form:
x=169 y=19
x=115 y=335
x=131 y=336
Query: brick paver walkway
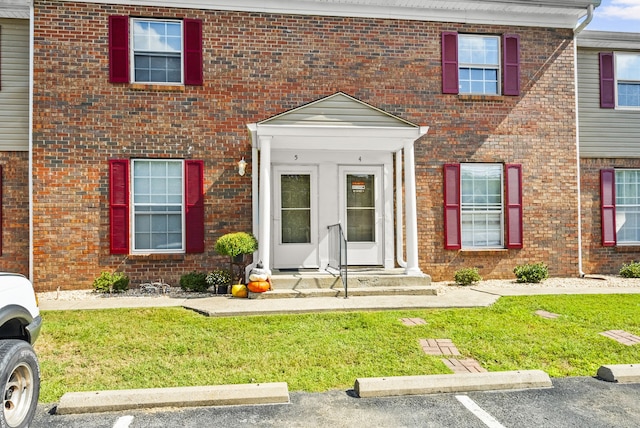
x=466 y=365
x=412 y=321
x=547 y=315
x=622 y=336
x=438 y=347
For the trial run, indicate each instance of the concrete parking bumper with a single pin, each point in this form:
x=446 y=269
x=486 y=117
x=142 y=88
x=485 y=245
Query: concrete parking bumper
x=436 y=384
x=620 y=373
x=220 y=395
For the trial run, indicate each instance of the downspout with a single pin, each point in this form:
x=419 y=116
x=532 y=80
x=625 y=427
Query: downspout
x=577 y=31
x=399 y=212
x=31 y=43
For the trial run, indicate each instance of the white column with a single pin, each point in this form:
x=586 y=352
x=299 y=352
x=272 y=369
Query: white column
x=411 y=212
x=264 y=238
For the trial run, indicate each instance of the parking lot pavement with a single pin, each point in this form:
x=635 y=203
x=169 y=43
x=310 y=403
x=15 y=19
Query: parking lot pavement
x=572 y=402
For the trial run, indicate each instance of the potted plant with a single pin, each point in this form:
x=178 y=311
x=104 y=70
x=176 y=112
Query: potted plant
x=236 y=245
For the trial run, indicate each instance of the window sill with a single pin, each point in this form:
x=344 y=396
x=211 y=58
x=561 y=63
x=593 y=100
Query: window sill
x=629 y=248
x=156 y=257
x=474 y=97
x=156 y=88
x=484 y=251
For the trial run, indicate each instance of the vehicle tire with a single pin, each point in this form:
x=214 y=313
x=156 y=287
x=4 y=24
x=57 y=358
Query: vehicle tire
x=20 y=383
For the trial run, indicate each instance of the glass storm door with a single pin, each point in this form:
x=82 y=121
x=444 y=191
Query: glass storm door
x=361 y=214
x=295 y=217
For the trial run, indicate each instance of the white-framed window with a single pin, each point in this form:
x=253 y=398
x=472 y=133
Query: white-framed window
x=157 y=206
x=157 y=51
x=627 y=206
x=627 y=72
x=479 y=64
x=481 y=191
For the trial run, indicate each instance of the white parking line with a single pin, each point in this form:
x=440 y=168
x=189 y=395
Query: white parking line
x=123 y=422
x=485 y=417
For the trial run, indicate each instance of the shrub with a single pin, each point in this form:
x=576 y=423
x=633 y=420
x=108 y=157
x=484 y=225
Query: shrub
x=536 y=272
x=110 y=282
x=234 y=244
x=631 y=270
x=218 y=277
x=194 y=281
x=467 y=276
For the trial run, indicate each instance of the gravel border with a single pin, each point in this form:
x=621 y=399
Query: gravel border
x=589 y=281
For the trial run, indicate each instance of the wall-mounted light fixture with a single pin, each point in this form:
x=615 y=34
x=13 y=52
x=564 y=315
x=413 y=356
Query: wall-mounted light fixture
x=242 y=166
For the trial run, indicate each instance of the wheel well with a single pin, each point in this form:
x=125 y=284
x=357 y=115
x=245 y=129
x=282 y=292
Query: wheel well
x=14 y=329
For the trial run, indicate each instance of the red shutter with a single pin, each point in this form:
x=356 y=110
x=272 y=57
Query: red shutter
x=608 y=206
x=450 y=63
x=118 y=49
x=607 y=81
x=119 y=206
x=452 y=239
x=514 y=205
x=194 y=196
x=192 y=52
x=511 y=64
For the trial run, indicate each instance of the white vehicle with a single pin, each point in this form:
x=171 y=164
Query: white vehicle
x=20 y=324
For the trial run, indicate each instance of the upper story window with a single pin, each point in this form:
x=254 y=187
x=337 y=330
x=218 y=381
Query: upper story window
x=157 y=51
x=478 y=64
x=627 y=70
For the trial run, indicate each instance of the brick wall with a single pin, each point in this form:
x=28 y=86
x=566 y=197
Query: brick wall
x=258 y=65
x=596 y=258
x=15 y=212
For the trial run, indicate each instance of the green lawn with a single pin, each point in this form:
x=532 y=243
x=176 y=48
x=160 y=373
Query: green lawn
x=147 y=348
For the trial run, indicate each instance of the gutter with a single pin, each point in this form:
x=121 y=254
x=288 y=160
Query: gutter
x=577 y=31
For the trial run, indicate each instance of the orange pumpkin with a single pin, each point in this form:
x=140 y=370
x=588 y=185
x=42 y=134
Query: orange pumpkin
x=258 y=286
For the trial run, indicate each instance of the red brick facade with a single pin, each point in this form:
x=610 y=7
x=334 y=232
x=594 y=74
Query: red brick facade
x=255 y=66
x=15 y=212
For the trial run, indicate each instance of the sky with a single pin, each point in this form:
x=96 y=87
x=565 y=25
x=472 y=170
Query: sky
x=616 y=15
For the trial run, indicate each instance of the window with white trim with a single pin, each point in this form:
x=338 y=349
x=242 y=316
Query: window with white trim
x=157 y=51
x=627 y=206
x=479 y=64
x=158 y=205
x=627 y=71
x=481 y=190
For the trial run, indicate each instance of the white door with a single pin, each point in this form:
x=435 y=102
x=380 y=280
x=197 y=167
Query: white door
x=361 y=213
x=295 y=217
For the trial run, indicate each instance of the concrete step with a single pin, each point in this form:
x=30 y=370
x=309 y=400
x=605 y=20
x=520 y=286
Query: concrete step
x=410 y=290
x=325 y=280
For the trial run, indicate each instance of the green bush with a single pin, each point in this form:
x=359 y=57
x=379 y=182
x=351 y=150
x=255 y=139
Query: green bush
x=536 y=272
x=467 y=276
x=234 y=244
x=111 y=282
x=194 y=281
x=218 y=277
x=631 y=270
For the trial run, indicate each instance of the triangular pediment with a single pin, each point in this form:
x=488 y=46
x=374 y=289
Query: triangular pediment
x=338 y=110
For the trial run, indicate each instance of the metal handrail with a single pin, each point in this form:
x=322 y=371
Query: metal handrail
x=341 y=259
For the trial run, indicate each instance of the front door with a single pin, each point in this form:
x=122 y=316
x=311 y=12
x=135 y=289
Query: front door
x=361 y=213
x=295 y=217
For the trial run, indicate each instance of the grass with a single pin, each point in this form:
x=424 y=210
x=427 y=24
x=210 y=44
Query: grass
x=165 y=347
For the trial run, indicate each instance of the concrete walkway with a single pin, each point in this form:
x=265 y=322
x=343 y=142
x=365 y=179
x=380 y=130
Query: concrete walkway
x=456 y=297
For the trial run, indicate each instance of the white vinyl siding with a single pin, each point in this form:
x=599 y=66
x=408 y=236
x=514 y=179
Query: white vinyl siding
x=604 y=133
x=14 y=81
